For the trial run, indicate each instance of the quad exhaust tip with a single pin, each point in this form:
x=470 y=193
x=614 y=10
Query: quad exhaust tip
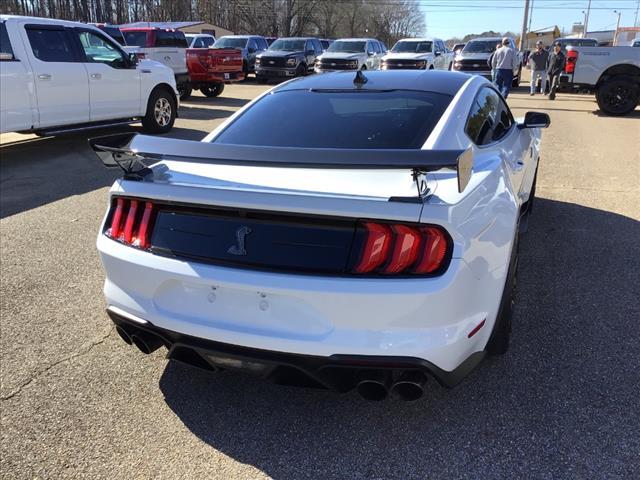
x=146 y=342
x=409 y=386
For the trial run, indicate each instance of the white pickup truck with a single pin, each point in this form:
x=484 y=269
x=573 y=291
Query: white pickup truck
x=418 y=53
x=612 y=73
x=58 y=76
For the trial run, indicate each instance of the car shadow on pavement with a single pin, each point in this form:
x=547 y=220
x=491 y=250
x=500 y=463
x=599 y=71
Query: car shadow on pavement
x=188 y=112
x=567 y=386
x=38 y=171
x=215 y=102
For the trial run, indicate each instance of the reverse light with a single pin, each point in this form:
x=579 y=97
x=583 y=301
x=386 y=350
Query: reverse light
x=131 y=222
x=391 y=249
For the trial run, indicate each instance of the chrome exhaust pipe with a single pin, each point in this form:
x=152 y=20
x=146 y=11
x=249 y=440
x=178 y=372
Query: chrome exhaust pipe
x=410 y=386
x=124 y=334
x=146 y=342
x=374 y=385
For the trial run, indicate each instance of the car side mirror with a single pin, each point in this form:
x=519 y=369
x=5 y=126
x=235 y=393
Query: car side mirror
x=438 y=53
x=7 y=56
x=535 y=120
x=370 y=54
x=133 y=59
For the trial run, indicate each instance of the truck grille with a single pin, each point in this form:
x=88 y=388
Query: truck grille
x=479 y=65
x=407 y=64
x=270 y=62
x=337 y=64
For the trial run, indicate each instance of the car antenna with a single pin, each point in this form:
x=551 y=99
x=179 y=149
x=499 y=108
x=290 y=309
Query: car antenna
x=360 y=78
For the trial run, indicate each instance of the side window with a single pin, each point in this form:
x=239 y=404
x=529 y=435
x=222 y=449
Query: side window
x=5 y=44
x=97 y=49
x=376 y=47
x=163 y=39
x=318 y=46
x=198 y=43
x=179 y=40
x=262 y=44
x=489 y=119
x=207 y=42
x=50 y=45
x=384 y=47
x=252 y=46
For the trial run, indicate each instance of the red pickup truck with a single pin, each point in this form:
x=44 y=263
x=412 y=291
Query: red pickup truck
x=210 y=68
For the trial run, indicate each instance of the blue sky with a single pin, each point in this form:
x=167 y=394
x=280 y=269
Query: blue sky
x=449 y=18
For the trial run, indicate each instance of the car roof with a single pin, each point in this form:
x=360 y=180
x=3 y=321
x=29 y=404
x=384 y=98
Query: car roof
x=242 y=36
x=488 y=39
x=440 y=81
x=296 y=38
x=356 y=39
x=418 y=39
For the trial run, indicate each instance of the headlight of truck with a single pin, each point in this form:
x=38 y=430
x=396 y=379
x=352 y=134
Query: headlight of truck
x=257 y=61
x=353 y=64
x=421 y=63
x=291 y=62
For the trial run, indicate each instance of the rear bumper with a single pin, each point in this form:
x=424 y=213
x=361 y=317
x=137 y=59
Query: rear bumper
x=182 y=78
x=336 y=372
x=217 y=77
x=307 y=314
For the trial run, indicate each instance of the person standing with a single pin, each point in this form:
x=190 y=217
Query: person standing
x=505 y=61
x=490 y=61
x=538 y=64
x=555 y=66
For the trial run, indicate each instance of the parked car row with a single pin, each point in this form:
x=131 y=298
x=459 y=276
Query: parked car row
x=474 y=58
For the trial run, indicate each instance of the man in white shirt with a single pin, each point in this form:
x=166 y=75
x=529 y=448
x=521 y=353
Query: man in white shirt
x=505 y=61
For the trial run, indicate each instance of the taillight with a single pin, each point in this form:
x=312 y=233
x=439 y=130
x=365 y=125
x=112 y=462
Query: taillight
x=391 y=249
x=131 y=222
x=570 y=64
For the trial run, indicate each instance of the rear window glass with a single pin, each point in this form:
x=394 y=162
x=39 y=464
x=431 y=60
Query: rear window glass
x=377 y=120
x=481 y=46
x=138 y=39
x=50 y=45
x=5 y=45
x=230 y=42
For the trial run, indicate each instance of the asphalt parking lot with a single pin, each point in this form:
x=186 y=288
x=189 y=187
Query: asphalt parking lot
x=76 y=402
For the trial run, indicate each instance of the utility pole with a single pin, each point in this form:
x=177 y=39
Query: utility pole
x=530 y=20
x=523 y=33
x=615 y=35
x=586 y=19
x=635 y=22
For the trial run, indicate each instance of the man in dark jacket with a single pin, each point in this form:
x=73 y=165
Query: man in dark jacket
x=537 y=62
x=555 y=66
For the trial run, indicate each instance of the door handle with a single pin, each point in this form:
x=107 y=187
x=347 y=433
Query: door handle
x=44 y=76
x=97 y=76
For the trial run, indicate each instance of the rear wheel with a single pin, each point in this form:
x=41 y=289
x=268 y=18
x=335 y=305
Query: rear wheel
x=161 y=112
x=184 y=91
x=213 y=91
x=498 y=343
x=618 y=96
x=516 y=81
x=245 y=70
x=301 y=71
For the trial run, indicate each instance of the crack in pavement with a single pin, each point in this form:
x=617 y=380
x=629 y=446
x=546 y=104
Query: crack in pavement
x=55 y=364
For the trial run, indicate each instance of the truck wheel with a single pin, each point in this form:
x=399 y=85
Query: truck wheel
x=161 y=112
x=214 y=91
x=498 y=343
x=184 y=91
x=618 y=96
x=301 y=71
x=516 y=81
x=245 y=70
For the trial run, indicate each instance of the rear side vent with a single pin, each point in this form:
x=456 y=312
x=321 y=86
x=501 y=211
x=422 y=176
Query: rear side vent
x=131 y=222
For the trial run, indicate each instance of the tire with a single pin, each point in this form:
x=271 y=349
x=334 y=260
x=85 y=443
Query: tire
x=301 y=70
x=245 y=70
x=431 y=67
x=498 y=343
x=184 y=91
x=526 y=213
x=214 y=91
x=364 y=67
x=161 y=112
x=516 y=81
x=618 y=96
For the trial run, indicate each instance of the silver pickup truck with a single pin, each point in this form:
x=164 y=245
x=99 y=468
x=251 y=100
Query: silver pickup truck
x=612 y=73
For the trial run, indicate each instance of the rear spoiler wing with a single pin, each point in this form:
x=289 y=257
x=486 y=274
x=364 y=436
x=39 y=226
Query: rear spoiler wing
x=132 y=152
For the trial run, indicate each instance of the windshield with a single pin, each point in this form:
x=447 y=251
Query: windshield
x=137 y=39
x=231 y=42
x=347 y=47
x=338 y=119
x=287 y=45
x=480 y=46
x=412 y=47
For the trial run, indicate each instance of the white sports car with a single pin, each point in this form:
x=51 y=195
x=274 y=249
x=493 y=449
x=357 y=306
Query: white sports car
x=342 y=231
